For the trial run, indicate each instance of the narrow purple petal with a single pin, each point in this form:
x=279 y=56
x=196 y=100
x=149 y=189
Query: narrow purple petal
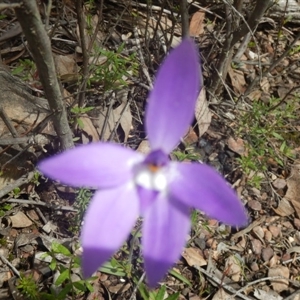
x=107 y=223
x=172 y=102
x=166 y=225
x=94 y=165
x=201 y=187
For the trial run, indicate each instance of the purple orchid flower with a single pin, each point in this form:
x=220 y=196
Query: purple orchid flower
x=161 y=191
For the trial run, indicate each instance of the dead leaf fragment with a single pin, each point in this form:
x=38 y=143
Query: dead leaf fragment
x=220 y=295
x=197 y=23
x=293 y=192
x=193 y=257
x=89 y=129
x=279 y=285
x=202 y=113
x=234 y=268
x=284 y=208
x=237 y=80
x=263 y=295
x=255 y=205
x=279 y=183
x=20 y=220
x=236 y=146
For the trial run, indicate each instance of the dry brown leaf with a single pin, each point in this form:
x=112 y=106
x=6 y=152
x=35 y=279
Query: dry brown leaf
x=279 y=183
x=265 y=85
x=293 y=191
x=255 y=95
x=237 y=80
x=236 y=146
x=126 y=118
x=191 y=136
x=279 y=285
x=197 y=23
x=20 y=220
x=65 y=64
x=193 y=257
x=220 y=295
x=89 y=129
x=202 y=113
x=263 y=295
x=284 y=208
x=234 y=268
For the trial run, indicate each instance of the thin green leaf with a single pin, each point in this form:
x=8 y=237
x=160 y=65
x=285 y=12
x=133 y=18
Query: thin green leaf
x=59 y=248
x=62 y=277
x=174 y=296
x=80 y=285
x=143 y=291
x=161 y=293
x=109 y=269
x=180 y=277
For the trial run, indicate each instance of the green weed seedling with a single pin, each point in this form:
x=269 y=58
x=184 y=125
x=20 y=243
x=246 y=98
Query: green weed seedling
x=189 y=154
x=160 y=294
x=5 y=207
x=264 y=128
x=25 y=70
x=77 y=113
x=28 y=287
x=64 y=280
x=111 y=73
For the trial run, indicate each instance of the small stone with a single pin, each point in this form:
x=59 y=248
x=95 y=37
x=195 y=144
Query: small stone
x=288 y=225
x=259 y=232
x=279 y=183
x=254 y=204
x=268 y=235
x=279 y=285
x=254 y=266
x=275 y=230
x=256 y=246
x=297 y=223
x=267 y=254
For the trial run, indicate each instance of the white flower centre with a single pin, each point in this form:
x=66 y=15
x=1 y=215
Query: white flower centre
x=151 y=177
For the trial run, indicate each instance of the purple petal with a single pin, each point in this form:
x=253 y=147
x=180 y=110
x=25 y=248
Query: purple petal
x=172 y=102
x=166 y=225
x=107 y=223
x=201 y=187
x=94 y=165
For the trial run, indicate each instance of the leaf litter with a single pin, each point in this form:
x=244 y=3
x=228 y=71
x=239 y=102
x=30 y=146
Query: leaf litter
x=268 y=246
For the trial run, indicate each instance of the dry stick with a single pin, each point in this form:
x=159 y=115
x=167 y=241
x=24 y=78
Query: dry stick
x=219 y=282
x=81 y=25
x=29 y=17
x=235 y=36
x=110 y=108
x=41 y=203
x=22 y=180
x=140 y=52
x=113 y=133
x=184 y=18
x=257 y=13
x=10 y=265
x=220 y=71
x=261 y=280
x=97 y=29
x=137 y=286
x=283 y=99
x=274 y=64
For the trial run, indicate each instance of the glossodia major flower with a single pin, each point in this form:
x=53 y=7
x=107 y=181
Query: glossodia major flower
x=130 y=185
